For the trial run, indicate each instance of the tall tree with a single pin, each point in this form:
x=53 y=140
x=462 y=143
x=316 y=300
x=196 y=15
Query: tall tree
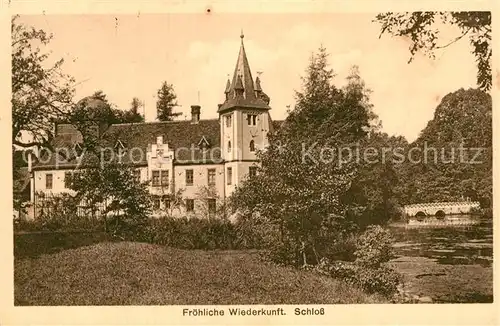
x=357 y=89
x=133 y=115
x=166 y=102
x=422 y=30
x=301 y=180
x=41 y=92
x=454 y=157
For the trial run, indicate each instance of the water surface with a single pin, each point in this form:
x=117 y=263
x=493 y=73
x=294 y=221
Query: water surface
x=464 y=245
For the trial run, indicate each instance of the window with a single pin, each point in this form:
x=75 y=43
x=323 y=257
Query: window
x=164 y=178
x=228 y=121
x=160 y=178
x=252 y=171
x=252 y=119
x=211 y=177
x=190 y=205
x=252 y=146
x=189 y=177
x=48 y=181
x=156 y=179
x=137 y=175
x=211 y=206
x=229 y=146
x=67 y=179
x=229 y=176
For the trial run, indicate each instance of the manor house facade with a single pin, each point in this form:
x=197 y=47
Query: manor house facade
x=188 y=155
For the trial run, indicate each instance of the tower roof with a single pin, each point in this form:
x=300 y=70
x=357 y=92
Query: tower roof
x=242 y=80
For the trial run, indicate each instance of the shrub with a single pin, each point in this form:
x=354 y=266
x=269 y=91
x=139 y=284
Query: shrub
x=373 y=247
x=192 y=233
x=381 y=280
x=283 y=252
x=341 y=248
x=59 y=213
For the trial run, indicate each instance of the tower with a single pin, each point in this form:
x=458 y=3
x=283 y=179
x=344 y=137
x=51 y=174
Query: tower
x=244 y=119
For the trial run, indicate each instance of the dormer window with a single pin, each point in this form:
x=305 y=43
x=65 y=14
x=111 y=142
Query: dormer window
x=203 y=144
x=120 y=148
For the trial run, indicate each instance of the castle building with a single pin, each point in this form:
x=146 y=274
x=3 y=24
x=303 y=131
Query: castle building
x=193 y=155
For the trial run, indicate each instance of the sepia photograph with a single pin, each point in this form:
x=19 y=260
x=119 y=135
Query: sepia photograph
x=218 y=161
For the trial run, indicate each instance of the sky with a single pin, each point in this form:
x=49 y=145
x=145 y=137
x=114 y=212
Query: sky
x=129 y=56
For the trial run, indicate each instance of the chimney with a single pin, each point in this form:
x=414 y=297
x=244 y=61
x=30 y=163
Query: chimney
x=195 y=113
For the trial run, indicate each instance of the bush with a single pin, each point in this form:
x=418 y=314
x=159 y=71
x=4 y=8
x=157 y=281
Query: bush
x=59 y=213
x=342 y=248
x=370 y=250
x=374 y=247
x=283 y=252
x=381 y=280
x=192 y=233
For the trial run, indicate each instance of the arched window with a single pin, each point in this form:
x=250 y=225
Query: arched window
x=252 y=146
x=229 y=146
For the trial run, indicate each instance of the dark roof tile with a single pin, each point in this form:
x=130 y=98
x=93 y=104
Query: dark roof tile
x=178 y=134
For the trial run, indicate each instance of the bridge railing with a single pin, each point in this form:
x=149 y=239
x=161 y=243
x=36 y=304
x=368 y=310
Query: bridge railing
x=442 y=204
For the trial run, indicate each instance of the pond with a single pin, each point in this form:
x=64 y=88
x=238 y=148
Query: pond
x=471 y=244
x=449 y=263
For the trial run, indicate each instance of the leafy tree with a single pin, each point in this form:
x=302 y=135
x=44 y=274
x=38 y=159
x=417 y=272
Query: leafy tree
x=297 y=195
x=132 y=115
x=462 y=123
x=167 y=101
x=372 y=196
x=41 y=92
x=356 y=88
x=206 y=193
x=91 y=116
x=114 y=187
x=421 y=29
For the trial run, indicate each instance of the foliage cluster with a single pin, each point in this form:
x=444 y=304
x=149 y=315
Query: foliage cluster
x=368 y=271
x=454 y=153
x=421 y=29
x=190 y=233
x=311 y=200
x=58 y=213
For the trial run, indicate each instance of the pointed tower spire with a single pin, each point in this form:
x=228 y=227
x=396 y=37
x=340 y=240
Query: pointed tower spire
x=242 y=83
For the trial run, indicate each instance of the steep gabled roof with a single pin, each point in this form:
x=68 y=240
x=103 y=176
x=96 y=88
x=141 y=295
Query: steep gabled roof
x=139 y=136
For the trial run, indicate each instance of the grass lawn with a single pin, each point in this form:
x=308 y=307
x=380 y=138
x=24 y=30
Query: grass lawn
x=127 y=273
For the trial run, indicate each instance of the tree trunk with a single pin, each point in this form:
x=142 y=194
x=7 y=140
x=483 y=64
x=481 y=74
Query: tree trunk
x=315 y=252
x=304 y=258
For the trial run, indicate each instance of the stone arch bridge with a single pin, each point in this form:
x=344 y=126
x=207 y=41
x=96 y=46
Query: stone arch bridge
x=440 y=209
